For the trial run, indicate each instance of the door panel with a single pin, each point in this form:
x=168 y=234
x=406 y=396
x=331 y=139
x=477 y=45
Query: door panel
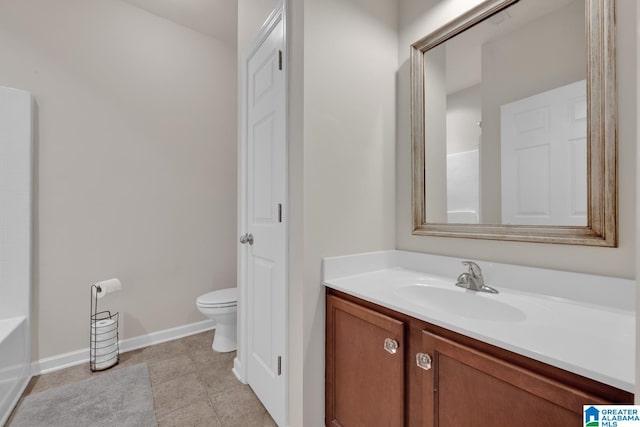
x=262 y=316
x=263 y=179
x=266 y=265
x=533 y=181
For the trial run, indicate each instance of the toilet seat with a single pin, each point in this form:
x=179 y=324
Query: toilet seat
x=219 y=299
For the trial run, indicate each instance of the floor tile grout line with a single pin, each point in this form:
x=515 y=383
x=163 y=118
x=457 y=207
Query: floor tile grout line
x=181 y=407
x=213 y=408
x=208 y=396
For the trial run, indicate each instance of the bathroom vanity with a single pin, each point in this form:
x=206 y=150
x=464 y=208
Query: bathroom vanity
x=406 y=347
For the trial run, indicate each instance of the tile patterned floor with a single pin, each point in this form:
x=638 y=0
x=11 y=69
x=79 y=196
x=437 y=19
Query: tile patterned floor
x=192 y=385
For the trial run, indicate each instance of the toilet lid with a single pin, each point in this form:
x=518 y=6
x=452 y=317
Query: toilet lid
x=222 y=297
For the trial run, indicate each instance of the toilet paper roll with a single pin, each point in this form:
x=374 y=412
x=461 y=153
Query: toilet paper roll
x=103 y=348
x=103 y=325
x=104 y=353
x=105 y=361
x=104 y=332
x=107 y=286
x=103 y=339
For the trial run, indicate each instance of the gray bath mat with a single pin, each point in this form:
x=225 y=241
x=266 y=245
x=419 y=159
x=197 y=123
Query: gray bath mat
x=120 y=398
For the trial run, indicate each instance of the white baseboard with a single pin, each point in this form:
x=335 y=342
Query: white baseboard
x=61 y=361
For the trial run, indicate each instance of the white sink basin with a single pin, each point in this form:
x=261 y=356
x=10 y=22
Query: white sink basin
x=461 y=302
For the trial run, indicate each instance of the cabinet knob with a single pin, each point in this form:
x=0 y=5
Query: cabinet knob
x=391 y=345
x=423 y=361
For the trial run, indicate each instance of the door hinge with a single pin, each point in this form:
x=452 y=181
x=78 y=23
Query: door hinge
x=279 y=212
x=279 y=365
x=279 y=60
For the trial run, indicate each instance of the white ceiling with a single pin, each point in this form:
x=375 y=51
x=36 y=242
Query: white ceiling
x=215 y=18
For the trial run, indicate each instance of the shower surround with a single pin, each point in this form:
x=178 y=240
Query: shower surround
x=16 y=142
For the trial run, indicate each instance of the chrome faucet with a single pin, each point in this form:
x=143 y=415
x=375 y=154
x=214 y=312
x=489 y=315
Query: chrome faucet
x=473 y=279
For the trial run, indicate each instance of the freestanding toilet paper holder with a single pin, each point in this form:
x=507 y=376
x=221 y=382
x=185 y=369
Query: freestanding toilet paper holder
x=104 y=349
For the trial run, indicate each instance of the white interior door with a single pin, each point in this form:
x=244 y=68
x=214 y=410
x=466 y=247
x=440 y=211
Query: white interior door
x=544 y=158
x=266 y=256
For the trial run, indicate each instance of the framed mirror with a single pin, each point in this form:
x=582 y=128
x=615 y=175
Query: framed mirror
x=514 y=118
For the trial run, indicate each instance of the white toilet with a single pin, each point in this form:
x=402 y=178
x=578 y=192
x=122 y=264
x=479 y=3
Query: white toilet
x=221 y=306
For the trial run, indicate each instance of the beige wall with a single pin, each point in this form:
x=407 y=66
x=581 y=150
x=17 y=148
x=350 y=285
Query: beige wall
x=463 y=116
x=435 y=131
x=418 y=18
x=135 y=150
x=350 y=61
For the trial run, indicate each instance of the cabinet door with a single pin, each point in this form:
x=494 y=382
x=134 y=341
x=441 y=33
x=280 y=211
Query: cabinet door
x=364 y=369
x=465 y=387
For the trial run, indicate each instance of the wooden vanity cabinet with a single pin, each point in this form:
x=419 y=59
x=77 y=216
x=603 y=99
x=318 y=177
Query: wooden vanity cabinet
x=364 y=366
x=462 y=381
x=466 y=387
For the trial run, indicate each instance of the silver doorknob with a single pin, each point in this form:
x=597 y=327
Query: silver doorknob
x=246 y=238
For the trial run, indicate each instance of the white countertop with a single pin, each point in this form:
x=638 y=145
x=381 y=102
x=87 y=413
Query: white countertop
x=591 y=336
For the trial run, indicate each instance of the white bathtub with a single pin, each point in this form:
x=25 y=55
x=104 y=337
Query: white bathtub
x=14 y=363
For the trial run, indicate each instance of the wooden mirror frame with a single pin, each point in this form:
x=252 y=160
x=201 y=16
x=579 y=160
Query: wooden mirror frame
x=601 y=228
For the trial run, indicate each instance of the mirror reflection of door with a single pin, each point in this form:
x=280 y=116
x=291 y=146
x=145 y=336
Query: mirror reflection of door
x=544 y=158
